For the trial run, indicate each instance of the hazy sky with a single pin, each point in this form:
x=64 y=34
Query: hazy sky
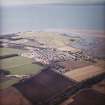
x=19 y=2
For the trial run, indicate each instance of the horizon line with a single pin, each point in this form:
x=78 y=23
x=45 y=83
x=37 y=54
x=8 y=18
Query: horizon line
x=74 y=4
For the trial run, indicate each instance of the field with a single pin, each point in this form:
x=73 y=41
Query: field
x=44 y=88
x=17 y=66
x=84 y=73
x=5 y=51
x=12 y=96
x=100 y=87
x=8 y=83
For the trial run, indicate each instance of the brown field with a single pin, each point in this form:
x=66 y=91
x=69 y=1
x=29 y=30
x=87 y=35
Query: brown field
x=71 y=64
x=85 y=73
x=12 y=96
x=42 y=88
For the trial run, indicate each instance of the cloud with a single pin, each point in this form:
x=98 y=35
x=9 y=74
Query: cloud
x=19 y=2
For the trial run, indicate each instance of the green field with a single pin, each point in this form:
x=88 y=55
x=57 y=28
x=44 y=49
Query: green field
x=8 y=83
x=14 y=62
x=20 y=65
x=26 y=69
x=7 y=51
x=17 y=66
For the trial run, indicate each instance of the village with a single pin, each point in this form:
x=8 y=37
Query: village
x=42 y=54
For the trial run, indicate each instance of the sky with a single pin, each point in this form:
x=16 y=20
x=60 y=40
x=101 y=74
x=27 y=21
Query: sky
x=25 y=2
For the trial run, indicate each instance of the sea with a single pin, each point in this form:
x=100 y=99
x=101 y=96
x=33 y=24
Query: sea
x=51 y=16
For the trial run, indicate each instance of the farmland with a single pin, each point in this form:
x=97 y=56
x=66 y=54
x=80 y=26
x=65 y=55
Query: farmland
x=5 y=51
x=16 y=66
x=85 y=72
x=47 y=69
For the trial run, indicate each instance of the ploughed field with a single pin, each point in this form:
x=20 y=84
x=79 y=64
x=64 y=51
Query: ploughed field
x=45 y=88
